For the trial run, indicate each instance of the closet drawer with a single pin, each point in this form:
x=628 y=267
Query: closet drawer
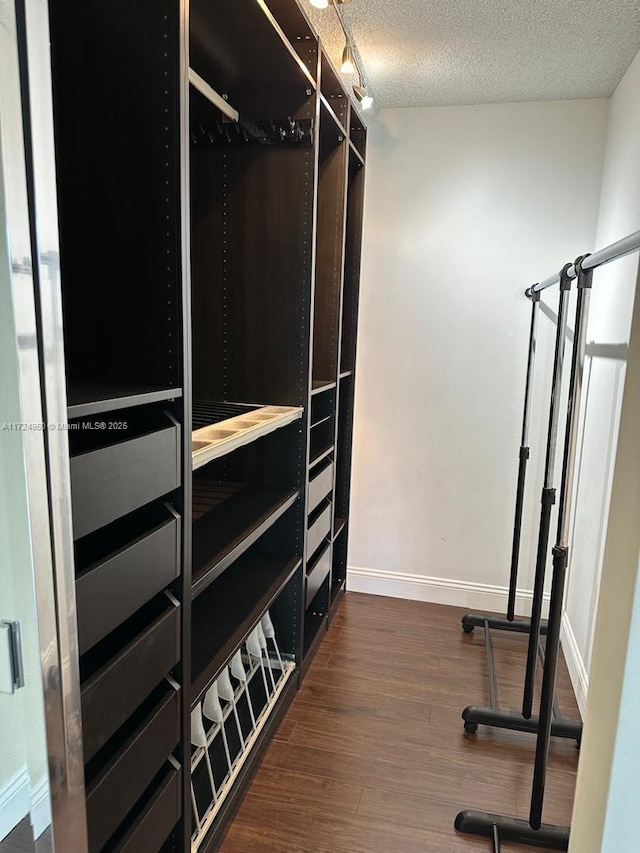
x=320 y=487
x=122 y=782
x=318 y=574
x=320 y=528
x=158 y=816
x=114 y=692
x=111 y=481
x=111 y=590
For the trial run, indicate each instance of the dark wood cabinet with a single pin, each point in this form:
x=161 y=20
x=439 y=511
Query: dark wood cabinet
x=210 y=171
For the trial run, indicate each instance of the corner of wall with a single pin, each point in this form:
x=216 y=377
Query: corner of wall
x=575 y=663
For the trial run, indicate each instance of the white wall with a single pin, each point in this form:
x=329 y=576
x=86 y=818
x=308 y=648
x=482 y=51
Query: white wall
x=465 y=206
x=606 y=819
x=608 y=336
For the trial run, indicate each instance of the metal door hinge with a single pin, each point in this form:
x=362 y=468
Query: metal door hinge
x=11 y=663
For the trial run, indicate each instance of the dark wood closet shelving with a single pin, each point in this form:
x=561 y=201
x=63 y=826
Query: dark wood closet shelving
x=320 y=456
x=320 y=422
x=319 y=386
x=355 y=153
x=225 y=613
x=84 y=399
x=228 y=519
x=332 y=91
x=227 y=215
x=243 y=53
x=338 y=526
x=328 y=106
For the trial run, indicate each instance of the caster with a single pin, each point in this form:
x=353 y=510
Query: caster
x=468 y=629
x=471 y=728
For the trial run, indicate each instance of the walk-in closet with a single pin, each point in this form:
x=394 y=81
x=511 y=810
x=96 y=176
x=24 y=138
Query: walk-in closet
x=319 y=385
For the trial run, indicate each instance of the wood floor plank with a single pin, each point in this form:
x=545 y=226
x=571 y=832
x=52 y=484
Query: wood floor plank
x=425 y=778
x=284 y=730
x=437 y=818
x=288 y=788
x=372 y=756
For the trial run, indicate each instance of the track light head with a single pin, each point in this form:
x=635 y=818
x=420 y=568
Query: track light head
x=348 y=62
x=366 y=101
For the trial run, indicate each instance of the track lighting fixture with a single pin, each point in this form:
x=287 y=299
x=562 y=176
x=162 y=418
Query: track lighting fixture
x=366 y=101
x=348 y=63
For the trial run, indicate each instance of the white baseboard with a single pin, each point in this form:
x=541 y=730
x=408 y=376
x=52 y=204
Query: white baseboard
x=18 y=801
x=15 y=802
x=40 y=807
x=473 y=596
x=575 y=664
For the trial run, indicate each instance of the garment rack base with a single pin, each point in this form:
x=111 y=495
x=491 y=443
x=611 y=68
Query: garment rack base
x=475 y=715
x=503 y=828
x=498 y=623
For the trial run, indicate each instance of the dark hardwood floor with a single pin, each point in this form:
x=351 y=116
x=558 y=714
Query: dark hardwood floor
x=372 y=756
x=21 y=841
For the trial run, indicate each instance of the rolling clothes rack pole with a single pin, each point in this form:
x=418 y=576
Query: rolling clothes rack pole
x=475 y=620
x=548 y=498
x=524 y=454
x=501 y=828
x=626 y=246
x=561 y=548
x=493 y=715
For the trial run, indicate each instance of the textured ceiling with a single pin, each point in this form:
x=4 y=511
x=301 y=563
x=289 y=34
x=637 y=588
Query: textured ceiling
x=419 y=53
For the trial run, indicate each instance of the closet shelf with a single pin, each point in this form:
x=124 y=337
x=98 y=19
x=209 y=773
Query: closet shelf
x=318 y=386
x=345 y=373
x=212 y=96
x=220 y=428
x=337 y=587
x=223 y=615
x=322 y=421
x=227 y=520
x=266 y=76
x=339 y=525
x=320 y=456
x=356 y=153
x=93 y=398
x=332 y=114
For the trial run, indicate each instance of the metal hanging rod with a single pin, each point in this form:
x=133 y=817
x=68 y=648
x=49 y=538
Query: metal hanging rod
x=211 y=95
x=623 y=247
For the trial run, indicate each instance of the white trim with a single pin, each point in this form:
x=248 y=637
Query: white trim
x=474 y=596
x=15 y=802
x=575 y=664
x=41 y=817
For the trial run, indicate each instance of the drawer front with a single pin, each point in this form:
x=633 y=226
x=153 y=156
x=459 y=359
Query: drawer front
x=111 y=696
x=320 y=528
x=157 y=818
x=113 y=589
x=320 y=487
x=114 y=793
x=318 y=574
x=113 y=481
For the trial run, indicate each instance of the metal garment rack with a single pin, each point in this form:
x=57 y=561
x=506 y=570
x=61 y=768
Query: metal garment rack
x=474 y=715
x=533 y=832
